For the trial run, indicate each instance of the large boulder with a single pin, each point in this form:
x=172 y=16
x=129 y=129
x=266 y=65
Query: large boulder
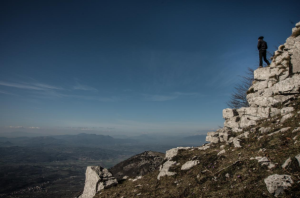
x=164 y=169
x=96 y=179
x=276 y=184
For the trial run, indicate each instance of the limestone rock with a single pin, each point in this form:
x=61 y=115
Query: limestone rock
x=295 y=59
x=221 y=152
x=287 y=116
x=212 y=137
x=286 y=163
x=174 y=151
x=232 y=122
x=265 y=129
x=236 y=143
x=289 y=85
x=164 y=169
x=97 y=178
x=282 y=57
x=274 y=112
x=229 y=113
x=188 y=165
x=276 y=184
x=296 y=130
x=287 y=110
x=247 y=121
x=298 y=158
x=204 y=147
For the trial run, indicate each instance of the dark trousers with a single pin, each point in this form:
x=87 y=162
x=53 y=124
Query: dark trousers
x=263 y=54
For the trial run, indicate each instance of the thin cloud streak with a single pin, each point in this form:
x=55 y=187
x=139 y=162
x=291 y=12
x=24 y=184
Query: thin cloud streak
x=30 y=86
x=172 y=96
x=7 y=93
x=85 y=88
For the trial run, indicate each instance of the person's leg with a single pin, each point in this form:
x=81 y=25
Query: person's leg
x=265 y=57
x=260 y=58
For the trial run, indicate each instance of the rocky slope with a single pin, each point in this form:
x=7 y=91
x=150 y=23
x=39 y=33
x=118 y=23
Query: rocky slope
x=255 y=154
x=137 y=165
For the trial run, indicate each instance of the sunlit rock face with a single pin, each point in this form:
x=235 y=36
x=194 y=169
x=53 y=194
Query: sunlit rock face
x=273 y=89
x=97 y=179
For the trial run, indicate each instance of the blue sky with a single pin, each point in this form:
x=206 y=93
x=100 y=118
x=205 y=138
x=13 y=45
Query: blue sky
x=129 y=67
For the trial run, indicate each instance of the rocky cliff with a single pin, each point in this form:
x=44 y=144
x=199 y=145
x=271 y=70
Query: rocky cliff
x=255 y=154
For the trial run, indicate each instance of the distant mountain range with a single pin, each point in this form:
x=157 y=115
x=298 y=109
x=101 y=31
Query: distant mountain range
x=93 y=140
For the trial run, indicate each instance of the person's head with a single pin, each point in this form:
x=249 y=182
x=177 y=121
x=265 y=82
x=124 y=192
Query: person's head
x=260 y=38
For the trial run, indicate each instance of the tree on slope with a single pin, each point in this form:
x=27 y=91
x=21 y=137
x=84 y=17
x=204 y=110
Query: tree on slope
x=238 y=98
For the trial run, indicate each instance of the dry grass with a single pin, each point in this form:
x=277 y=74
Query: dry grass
x=208 y=179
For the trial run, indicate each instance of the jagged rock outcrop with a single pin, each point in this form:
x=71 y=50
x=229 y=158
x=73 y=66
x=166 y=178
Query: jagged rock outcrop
x=97 y=179
x=138 y=165
x=271 y=93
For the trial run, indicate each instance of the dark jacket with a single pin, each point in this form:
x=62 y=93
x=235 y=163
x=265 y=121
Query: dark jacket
x=262 y=45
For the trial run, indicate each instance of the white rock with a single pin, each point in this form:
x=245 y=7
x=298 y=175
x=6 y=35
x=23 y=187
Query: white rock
x=296 y=130
x=283 y=56
x=276 y=184
x=262 y=73
x=295 y=59
x=274 y=112
x=188 y=165
x=263 y=160
x=262 y=150
x=287 y=110
x=298 y=158
x=221 y=152
x=174 y=151
x=286 y=163
x=280 y=131
x=232 y=122
x=164 y=169
x=264 y=129
x=287 y=116
x=288 y=85
x=263 y=101
x=212 y=139
x=247 y=121
x=271 y=165
x=294 y=138
x=229 y=113
x=236 y=143
x=204 y=147
x=97 y=178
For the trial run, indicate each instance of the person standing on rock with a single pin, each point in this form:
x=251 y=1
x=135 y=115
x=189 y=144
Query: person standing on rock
x=262 y=48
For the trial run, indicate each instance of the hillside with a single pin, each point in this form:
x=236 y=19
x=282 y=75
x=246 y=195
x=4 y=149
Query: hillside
x=255 y=154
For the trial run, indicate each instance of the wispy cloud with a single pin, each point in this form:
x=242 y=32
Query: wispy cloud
x=22 y=127
x=7 y=93
x=30 y=86
x=52 y=94
x=85 y=88
x=159 y=97
x=171 y=96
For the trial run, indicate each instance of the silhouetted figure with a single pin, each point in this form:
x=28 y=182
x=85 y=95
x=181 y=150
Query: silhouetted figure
x=262 y=47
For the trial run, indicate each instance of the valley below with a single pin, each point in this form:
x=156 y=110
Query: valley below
x=55 y=166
